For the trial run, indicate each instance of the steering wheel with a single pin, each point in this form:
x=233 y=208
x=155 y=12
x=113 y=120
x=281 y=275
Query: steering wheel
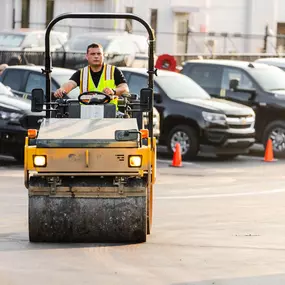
x=94 y=100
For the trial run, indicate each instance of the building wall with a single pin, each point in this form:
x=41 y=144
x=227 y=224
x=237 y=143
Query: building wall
x=6 y=22
x=204 y=15
x=38 y=19
x=263 y=12
x=76 y=26
x=220 y=16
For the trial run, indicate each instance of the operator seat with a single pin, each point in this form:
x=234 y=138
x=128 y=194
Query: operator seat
x=75 y=110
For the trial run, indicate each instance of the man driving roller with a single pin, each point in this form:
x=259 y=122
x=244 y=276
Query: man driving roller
x=97 y=76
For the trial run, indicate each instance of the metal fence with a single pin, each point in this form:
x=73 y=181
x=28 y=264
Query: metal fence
x=59 y=59
x=198 y=42
x=193 y=45
x=214 y=43
x=76 y=61
x=190 y=42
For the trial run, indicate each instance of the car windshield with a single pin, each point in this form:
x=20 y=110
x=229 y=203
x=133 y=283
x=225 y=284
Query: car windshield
x=181 y=87
x=270 y=78
x=11 y=40
x=4 y=90
x=62 y=78
x=81 y=43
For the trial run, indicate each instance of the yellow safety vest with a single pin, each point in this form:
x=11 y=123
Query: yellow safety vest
x=107 y=80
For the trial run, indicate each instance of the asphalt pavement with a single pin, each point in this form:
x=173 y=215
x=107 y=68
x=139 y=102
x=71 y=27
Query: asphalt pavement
x=215 y=222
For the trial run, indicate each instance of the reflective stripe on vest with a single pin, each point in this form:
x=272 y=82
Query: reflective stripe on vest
x=107 y=80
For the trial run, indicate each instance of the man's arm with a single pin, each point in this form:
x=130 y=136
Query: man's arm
x=65 y=88
x=69 y=85
x=122 y=89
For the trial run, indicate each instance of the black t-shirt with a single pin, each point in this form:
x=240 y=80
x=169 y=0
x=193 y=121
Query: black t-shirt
x=118 y=76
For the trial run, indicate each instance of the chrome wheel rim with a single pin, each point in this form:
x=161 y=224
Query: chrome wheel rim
x=181 y=138
x=278 y=139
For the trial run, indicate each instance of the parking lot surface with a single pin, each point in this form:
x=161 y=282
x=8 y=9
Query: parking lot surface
x=215 y=222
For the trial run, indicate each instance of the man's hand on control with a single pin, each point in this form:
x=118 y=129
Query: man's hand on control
x=59 y=93
x=109 y=92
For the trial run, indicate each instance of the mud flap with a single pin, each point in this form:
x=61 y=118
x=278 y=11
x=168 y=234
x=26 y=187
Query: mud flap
x=72 y=219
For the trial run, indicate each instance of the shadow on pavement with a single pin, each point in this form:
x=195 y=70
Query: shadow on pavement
x=20 y=242
x=277 y=279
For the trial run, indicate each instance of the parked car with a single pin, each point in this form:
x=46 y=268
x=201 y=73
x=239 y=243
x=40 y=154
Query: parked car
x=257 y=85
x=22 y=79
x=120 y=49
x=189 y=116
x=275 y=61
x=12 y=134
x=30 y=40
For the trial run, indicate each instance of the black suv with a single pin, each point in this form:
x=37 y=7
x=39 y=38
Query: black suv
x=260 y=86
x=12 y=135
x=189 y=115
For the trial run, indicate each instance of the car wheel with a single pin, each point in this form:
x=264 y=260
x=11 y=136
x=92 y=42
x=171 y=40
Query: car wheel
x=188 y=139
x=276 y=132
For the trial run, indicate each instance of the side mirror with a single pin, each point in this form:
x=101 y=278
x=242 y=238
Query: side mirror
x=146 y=101
x=157 y=97
x=126 y=135
x=29 y=122
x=234 y=83
x=37 y=100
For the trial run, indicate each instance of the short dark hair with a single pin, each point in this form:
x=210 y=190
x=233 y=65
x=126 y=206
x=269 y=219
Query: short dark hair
x=94 y=45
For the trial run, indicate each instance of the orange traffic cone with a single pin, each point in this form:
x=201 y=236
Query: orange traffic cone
x=177 y=158
x=268 y=156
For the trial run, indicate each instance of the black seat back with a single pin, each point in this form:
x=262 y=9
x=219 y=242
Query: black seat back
x=75 y=110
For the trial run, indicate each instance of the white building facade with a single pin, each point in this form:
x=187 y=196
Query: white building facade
x=171 y=19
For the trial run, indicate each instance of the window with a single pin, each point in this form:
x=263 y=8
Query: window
x=49 y=11
x=36 y=80
x=206 y=76
x=129 y=22
x=234 y=73
x=25 y=13
x=136 y=82
x=34 y=40
x=13 y=79
x=11 y=40
x=270 y=78
x=181 y=87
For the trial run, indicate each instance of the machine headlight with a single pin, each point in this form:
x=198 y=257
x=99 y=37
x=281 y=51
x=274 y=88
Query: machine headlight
x=135 y=161
x=40 y=160
x=10 y=116
x=214 y=118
